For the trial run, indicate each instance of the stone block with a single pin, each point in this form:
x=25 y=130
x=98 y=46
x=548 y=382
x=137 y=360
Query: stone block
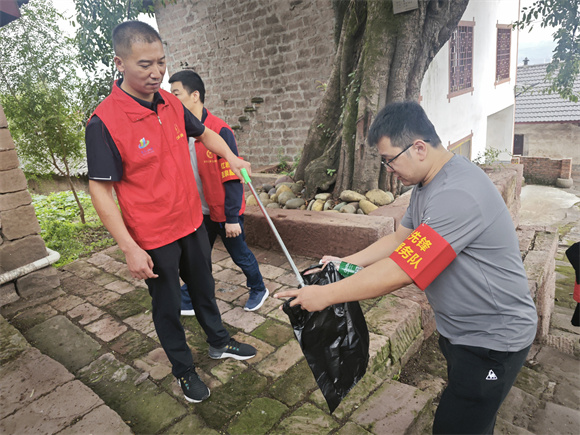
x=307 y=419
x=12 y=344
x=6 y=142
x=280 y=361
x=12 y=180
x=17 y=253
x=392 y=409
x=101 y=420
x=259 y=417
x=62 y=340
x=8 y=160
x=37 y=282
x=22 y=382
x=53 y=412
x=314 y=234
x=548 y=242
x=399 y=320
x=3 y=120
x=8 y=294
x=19 y=222
x=9 y=201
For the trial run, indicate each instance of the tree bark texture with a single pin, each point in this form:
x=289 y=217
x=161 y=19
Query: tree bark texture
x=380 y=58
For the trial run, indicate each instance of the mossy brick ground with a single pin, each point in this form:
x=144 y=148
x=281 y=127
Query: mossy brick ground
x=132 y=345
x=130 y=304
x=297 y=384
x=26 y=320
x=272 y=393
x=259 y=417
x=137 y=401
x=64 y=341
x=273 y=332
x=308 y=419
x=231 y=398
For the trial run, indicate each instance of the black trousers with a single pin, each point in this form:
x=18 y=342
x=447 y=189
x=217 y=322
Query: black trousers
x=190 y=259
x=479 y=381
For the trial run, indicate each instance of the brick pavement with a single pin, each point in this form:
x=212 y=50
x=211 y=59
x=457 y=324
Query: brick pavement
x=96 y=329
x=84 y=358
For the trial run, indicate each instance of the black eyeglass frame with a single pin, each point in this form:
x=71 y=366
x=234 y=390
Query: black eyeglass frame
x=387 y=163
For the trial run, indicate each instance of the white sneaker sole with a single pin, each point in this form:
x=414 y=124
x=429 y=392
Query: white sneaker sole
x=190 y=400
x=232 y=355
x=261 y=302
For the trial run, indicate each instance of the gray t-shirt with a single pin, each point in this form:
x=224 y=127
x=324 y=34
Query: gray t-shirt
x=482 y=298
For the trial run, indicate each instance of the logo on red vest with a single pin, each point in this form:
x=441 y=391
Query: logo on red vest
x=143 y=144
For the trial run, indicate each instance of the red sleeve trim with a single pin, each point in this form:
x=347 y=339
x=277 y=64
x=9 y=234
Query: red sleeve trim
x=423 y=255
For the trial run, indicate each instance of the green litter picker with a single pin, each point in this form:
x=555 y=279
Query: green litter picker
x=274 y=230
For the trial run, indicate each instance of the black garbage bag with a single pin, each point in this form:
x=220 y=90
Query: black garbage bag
x=335 y=341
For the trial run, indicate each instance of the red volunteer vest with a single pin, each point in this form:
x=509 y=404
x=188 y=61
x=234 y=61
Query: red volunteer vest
x=214 y=171
x=157 y=194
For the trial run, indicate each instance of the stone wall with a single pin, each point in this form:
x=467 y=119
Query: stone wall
x=20 y=242
x=281 y=52
x=558 y=140
x=545 y=170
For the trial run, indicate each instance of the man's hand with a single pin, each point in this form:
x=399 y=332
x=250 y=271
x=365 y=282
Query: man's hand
x=233 y=230
x=140 y=263
x=310 y=298
x=236 y=165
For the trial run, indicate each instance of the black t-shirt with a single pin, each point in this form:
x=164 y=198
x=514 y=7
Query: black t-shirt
x=103 y=158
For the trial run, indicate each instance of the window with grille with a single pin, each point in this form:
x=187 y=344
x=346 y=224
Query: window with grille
x=504 y=38
x=461 y=59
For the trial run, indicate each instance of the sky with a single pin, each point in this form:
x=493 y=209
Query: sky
x=537 y=45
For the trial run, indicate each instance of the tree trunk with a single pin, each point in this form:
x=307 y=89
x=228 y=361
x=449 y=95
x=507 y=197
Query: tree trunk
x=380 y=58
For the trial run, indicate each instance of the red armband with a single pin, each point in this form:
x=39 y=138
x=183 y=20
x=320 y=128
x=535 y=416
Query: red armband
x=226 y=173
x=423 y=255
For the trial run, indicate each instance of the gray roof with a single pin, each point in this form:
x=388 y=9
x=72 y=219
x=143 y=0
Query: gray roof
x=534 y=106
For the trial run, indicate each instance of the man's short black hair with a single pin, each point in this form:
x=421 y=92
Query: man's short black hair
x=191 y=82
x=402 y=123
x=129 y=32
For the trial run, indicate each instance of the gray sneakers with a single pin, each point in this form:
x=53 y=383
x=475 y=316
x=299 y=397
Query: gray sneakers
x=233 y=349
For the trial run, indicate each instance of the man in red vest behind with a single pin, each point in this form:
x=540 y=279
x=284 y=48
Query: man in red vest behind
x=137 y=144
x=222 y=194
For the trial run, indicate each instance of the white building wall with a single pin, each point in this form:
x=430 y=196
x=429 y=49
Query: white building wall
x=460 y=116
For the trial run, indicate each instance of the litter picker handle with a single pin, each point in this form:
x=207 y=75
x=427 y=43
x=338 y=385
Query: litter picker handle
x=274 y=230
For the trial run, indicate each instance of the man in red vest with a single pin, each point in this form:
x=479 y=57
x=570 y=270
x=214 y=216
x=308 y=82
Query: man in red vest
x=222 y=194
x=137 y=144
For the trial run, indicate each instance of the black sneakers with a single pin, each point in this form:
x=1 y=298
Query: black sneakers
x=193 y=387
x=233 y=349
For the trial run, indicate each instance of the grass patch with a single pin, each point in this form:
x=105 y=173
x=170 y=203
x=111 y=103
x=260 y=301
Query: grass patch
x=61 y=228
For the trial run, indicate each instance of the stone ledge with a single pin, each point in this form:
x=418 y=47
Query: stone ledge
x=314 y=234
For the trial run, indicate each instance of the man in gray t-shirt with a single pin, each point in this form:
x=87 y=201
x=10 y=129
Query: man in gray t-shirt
x=458 y=243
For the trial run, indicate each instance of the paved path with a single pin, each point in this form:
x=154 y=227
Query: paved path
x=85 y=359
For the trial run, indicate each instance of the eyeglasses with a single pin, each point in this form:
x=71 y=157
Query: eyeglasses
x=387 y=163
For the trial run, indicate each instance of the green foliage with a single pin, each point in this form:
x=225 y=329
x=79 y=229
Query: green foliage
x=563 y=15
x=96 y=20
x=62 y=230
x=38 y=90
x=489 y=156
x=330 y=172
